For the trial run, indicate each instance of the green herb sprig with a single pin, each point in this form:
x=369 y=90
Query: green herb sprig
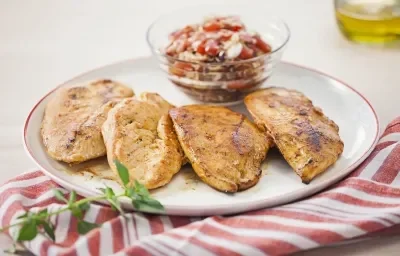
x=33 y=224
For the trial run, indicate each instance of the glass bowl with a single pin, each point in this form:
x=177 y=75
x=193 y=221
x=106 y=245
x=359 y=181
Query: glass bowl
x=222 y=83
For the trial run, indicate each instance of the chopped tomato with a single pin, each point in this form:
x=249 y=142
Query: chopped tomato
x=253 y=47
x=211 y=26
x=180 y=68
x=225 y=35
x=239 y=85
x=233 y=27
x=183 y=65
x=211 y=47
x=201 y=48
x=236 y=27
x=263 y=46
x=246 y=53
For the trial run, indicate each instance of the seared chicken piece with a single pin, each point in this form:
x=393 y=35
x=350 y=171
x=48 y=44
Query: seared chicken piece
x=307 y=139
x=71 y=127
x=224 y=147
x=139 y=134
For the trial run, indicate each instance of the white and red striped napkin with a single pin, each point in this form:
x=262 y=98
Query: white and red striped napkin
x=366 y=203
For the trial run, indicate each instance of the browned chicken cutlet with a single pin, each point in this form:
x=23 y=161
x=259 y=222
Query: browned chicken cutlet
x=307 y=139
x=139 y=134
x=224 y=147
x=71 y=126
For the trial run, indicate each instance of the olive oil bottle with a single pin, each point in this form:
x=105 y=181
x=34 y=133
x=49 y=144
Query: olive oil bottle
x=369 y=21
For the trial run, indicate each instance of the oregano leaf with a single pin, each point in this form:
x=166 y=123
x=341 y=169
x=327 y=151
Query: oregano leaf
x=130 y=192
x=28 y=231
x=135 y=204
x=43 y=212
x=154 y=204
x=141 y=189
x=122 y=172
x=23 y=215
x=109 y=192
x=147 y=204
x=49 y=229
x=84 y=227
x=84 y=207
x=76 y=211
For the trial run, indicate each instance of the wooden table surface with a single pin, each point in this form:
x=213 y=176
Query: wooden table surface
x=45 y=42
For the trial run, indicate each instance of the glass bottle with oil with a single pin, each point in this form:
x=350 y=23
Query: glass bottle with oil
x=369 y=21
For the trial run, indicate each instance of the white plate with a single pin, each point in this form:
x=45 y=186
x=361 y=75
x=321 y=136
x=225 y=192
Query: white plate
x=185 y=195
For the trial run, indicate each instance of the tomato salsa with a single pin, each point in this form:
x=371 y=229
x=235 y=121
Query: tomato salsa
x=217 y=39
x=216 y=60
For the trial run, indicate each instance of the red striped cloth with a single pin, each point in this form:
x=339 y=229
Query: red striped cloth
x=365 y=203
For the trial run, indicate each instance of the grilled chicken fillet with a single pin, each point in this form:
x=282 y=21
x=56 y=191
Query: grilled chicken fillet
x=139 y=134
x=71 y=127
x=307 y=139
x=224 y=147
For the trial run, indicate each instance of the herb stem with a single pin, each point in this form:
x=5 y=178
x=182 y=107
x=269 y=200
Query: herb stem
x=77 y=203
x=33 y=223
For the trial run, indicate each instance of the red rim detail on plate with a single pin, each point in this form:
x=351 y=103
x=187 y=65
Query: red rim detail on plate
x=289 y=196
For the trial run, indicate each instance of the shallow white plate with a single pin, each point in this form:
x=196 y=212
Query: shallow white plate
x=186 y=195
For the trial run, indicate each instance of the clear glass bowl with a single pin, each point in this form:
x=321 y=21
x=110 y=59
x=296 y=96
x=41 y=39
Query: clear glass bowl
x=224 y=83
